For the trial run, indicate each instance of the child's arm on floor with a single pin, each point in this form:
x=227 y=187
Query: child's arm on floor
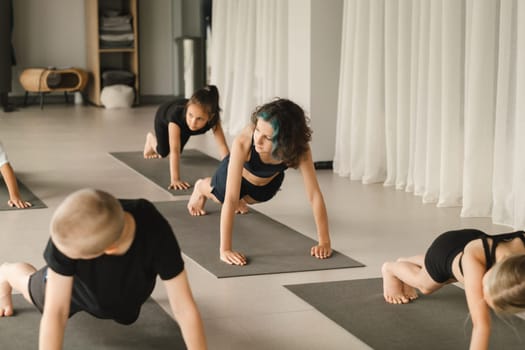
x=12 y=187
x=240 y=149
x=473 y=271
x=315 y=197
x=174 y=140
x=56 y=310
x=220 y=139
x=185 y=311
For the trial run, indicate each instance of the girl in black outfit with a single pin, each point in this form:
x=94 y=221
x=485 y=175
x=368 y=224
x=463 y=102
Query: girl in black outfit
x=492 y=269
x=176 y=121
x=277 y=138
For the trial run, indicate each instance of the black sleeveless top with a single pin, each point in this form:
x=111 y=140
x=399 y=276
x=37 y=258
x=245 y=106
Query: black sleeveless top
x=490 y=253
x=255 y=165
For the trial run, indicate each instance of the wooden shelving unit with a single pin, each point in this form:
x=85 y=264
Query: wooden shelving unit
x=99 y=59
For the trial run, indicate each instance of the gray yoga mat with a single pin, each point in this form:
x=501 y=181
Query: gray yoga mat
x=436 y=321
x=25 y=193
x=270 y=246
x=193 y=166
x=154 y=329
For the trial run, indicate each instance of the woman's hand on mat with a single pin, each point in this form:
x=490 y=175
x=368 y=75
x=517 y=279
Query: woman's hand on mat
x=18 y=203
x=179 y=185
x=233 y=258
x=321 y=251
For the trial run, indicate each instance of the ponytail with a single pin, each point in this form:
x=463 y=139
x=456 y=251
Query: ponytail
x=208 y=98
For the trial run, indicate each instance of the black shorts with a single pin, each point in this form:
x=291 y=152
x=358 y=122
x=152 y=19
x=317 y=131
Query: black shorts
x=441 y=253
x=258 y=193
x=37 y=291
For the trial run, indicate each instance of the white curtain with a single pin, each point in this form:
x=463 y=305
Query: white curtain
x=248 y=56
x=429 y=102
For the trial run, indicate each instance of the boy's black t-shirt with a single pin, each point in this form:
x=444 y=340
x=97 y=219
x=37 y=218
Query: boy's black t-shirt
x=115 y=287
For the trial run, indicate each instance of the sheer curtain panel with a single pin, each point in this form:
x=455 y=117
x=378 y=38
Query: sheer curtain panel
x=429 y=102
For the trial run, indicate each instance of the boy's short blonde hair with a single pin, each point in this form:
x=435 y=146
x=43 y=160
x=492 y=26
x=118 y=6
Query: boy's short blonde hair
x=87 y=222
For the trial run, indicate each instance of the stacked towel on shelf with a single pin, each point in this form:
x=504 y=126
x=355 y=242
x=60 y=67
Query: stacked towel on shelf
x=117 y=77
x=116 y=31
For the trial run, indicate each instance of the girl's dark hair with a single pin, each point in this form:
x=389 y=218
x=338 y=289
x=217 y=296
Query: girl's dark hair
x=291 y=131
x=208 y=98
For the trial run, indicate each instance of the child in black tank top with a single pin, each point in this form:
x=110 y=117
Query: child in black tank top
x=277 y=138
x=492 y=269
x=176 y=121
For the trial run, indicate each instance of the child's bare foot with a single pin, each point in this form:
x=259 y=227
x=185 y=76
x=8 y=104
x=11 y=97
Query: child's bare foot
x=6 y=303
x=393 y=288
x=150 y=146
x=197 y=201
x=242 y=208
x=410 y=292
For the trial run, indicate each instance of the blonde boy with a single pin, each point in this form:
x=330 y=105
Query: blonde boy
x=103 y=258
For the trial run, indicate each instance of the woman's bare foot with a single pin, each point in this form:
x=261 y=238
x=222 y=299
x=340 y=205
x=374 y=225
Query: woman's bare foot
x=6 y=302
x=393 y=288
x=242 y=208
x=197 y=201
x=150 y=147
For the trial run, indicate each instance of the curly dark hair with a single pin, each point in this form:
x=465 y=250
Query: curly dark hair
x=208 y=98
x=291 y=131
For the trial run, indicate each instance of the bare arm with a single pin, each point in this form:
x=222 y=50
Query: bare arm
x=185 y=311
x=174 y=140
x=56 y=310
x=218 y=133
x=315 y=197
x=12 y=187
x=473 y=272
x=240 y=149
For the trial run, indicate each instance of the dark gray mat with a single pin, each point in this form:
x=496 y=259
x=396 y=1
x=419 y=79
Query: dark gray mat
x=154 y=329
x=193 y=166
x=25 y=193
x=270 y=246
x=437 y=321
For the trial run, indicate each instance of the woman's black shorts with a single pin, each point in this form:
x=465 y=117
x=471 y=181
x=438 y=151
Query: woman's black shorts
x=258 y=193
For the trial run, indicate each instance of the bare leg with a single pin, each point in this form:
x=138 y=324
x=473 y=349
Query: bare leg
x=201 y=192
x=13 y=276
x=409 y=291
x=401 y=278
x=393 y=287
x=150 y=147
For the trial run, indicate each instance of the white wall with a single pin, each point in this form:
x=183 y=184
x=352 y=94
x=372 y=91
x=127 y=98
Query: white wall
x=299 y=48
x=191 y=11
x=156 y=42
x=47 y=33
x=52 y=33
x=314 y=51
x=326 y=29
